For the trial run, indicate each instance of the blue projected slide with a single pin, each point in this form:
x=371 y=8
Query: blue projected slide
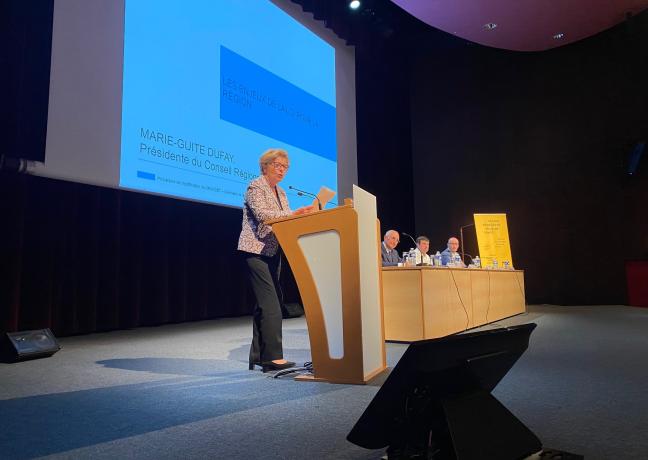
x=209 y=85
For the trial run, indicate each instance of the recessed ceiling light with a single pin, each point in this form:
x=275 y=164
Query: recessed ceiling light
x=558 y=36
x=354 y=5
x=490 y=26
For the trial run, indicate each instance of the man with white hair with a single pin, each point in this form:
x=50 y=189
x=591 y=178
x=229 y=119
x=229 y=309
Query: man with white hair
x=388 y=249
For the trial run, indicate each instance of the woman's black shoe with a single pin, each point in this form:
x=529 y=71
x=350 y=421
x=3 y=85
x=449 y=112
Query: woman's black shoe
x=270 y=366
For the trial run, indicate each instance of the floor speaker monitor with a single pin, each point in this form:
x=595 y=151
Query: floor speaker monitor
x=20 y=346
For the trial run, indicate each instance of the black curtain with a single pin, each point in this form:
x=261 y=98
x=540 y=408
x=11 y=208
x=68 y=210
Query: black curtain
x=79 y=258
x=25 y=56
x=545 y=138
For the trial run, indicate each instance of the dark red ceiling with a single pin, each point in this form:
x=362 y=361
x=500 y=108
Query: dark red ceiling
x=522 y=25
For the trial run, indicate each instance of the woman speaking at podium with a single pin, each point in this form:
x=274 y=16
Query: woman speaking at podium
x=265 y=200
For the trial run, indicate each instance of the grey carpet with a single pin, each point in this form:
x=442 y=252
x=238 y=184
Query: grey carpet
x=184 y=391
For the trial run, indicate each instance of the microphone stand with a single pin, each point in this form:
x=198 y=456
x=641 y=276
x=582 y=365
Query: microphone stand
x=411 y=238
x=302 y=193
x=463 y=254
x=472 y=260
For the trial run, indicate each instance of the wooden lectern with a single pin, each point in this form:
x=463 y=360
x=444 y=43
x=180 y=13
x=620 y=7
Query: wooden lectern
x=335 y=257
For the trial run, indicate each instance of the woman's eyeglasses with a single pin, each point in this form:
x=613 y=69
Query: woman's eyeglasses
x=280 y=166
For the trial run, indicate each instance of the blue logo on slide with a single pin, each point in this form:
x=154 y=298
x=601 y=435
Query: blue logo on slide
x=145 y=175
x=258 y=100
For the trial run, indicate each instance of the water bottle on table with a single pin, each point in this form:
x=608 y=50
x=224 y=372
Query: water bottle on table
x=456 y=260
x=411 y=258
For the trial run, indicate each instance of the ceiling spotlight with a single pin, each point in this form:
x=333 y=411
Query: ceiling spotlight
x=558 y=36
x=490 y=26
x=354 y=5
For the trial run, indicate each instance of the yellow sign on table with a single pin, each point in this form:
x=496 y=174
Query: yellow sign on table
x=493 y=239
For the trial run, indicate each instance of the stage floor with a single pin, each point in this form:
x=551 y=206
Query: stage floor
x=184 y=391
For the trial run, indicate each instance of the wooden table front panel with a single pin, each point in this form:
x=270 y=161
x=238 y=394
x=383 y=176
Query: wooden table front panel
x=447 y=303
x=424 y=302
x=402 y=291
x=507 y=294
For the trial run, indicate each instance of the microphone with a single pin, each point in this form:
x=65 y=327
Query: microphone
x=463 y=254
x=411 y=238
x=303 y=192
x=463 y=258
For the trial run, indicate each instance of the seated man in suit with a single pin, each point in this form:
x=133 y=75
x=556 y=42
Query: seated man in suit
x=450 y=255
x=422 y=246
x=388 y=249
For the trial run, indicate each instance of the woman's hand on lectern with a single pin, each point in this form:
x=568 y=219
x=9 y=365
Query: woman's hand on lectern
x=305 y=210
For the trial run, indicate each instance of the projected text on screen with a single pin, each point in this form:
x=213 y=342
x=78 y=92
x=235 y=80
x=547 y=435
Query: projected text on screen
x=209 y=85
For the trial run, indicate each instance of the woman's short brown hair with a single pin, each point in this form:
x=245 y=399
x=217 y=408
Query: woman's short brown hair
x=271 y=155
